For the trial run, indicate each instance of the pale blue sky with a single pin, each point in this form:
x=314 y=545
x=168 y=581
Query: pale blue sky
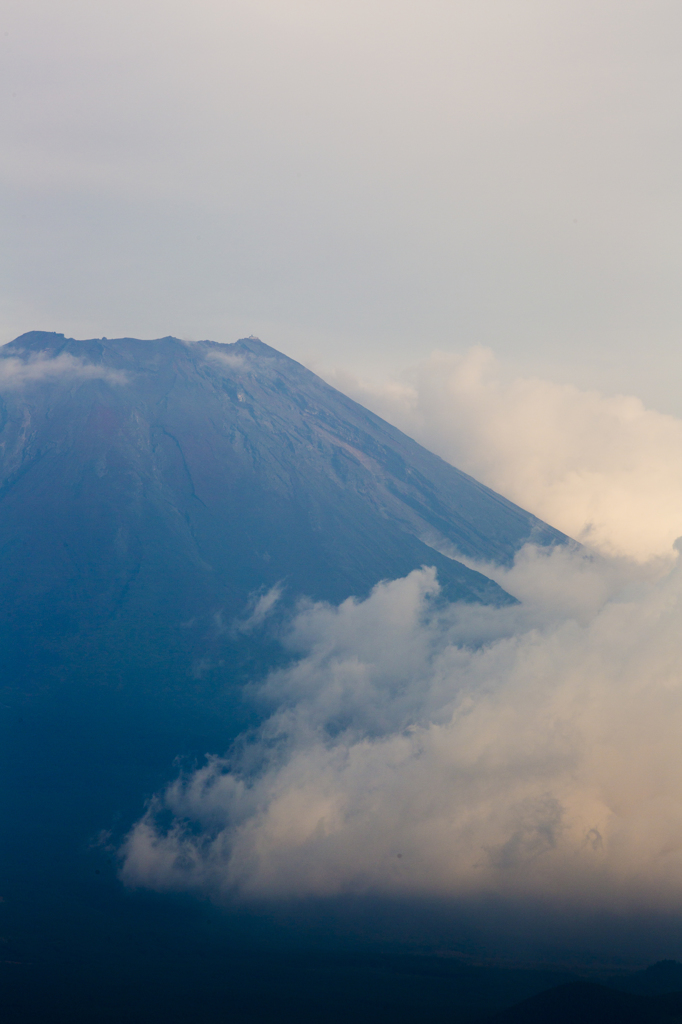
x=355 y=181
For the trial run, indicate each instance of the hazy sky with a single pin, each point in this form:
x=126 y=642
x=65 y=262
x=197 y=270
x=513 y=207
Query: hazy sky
x=356 y=182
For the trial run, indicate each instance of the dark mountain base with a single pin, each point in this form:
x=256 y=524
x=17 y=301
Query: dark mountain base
x=81 y=950
x=592 y=1004
x=150 y=976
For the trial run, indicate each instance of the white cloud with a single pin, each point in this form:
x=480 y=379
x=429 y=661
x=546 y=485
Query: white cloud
x=232 y=362
x=16 y=371
x=261 y=607
x=413 y=749
x=604 y=469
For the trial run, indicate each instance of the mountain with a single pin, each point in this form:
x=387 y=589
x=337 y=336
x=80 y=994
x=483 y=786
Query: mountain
x=147 y=489
x=156 y=498
x=151 y=492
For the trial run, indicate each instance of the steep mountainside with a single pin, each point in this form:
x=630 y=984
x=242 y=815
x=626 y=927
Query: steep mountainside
x=180 y=478
x=150 y=493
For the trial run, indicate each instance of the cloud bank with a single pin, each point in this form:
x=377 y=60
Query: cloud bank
x=412 y=749
x=16 y=371
x=605 y=470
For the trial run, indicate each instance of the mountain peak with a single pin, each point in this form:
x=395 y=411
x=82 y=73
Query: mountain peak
x=165 y=481
x=35 y=341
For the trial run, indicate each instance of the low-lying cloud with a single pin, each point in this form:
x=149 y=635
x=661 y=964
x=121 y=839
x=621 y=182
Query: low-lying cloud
x=16 y=371
x=416 y=749
x=604 y=469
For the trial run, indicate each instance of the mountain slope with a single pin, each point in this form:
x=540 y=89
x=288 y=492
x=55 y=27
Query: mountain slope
x=150 y=493
x=191 y=475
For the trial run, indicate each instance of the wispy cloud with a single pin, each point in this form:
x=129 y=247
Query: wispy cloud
x=228 y=359
x=604 y=469
x=260 y=608
x=16 y=371
x=412 y=749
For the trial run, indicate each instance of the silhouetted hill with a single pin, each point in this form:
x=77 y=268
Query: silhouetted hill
x=662 y=977
x=583 y=1002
